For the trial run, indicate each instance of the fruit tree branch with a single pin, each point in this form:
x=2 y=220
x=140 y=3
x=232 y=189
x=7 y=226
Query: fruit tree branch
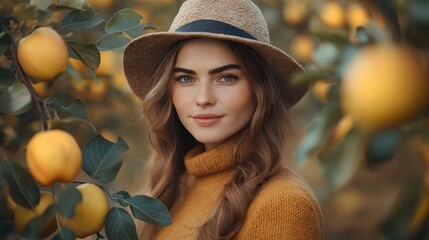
x=38 y=101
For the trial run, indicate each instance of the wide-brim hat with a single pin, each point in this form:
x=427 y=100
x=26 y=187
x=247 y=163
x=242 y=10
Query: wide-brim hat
x=233 y=20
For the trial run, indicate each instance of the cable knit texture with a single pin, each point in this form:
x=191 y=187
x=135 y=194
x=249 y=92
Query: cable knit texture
x=285 y=207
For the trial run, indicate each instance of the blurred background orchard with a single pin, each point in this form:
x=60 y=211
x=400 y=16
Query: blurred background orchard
x=371 y=180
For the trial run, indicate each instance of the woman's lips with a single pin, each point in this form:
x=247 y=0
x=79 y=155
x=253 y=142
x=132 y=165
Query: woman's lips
x=207 y=120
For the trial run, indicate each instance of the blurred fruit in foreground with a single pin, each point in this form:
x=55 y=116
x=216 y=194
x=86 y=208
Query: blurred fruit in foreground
x=90 y=214
x=321 y=90
x=43 y=54
x=53 y=156
x=332 y=14
x=295 y=12
x=302 y=47
x=357 y=15
x=384 y=86
x=24 y=215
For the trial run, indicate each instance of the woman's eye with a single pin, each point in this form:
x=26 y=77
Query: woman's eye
x=184 y=79
x=228 y=78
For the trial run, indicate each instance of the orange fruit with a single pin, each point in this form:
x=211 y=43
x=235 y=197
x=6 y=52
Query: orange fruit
x=53 y=156
x=43 y=54
x=384 y=86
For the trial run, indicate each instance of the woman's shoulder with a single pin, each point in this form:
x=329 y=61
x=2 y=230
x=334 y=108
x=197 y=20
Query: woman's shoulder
x=284 y=208
x=286 y=183
x=289 y=191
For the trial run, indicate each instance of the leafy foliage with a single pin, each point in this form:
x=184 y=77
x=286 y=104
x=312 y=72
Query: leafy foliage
x=102 y=159
x=29 y=101
x=70 y=197
x=145 y=208
x=120 y=225
x=23 y=189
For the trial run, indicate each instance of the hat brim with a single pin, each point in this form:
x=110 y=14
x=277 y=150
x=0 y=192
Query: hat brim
x=143 y=55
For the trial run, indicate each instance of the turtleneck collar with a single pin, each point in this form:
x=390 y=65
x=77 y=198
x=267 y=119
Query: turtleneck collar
x=199 y=162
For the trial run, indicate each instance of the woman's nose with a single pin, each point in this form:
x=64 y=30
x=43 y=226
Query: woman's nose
x=205 y=95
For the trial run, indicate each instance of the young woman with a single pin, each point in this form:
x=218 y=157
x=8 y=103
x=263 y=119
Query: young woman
x=216 y=95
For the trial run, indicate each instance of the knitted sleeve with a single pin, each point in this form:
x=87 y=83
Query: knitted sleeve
x=285 y=213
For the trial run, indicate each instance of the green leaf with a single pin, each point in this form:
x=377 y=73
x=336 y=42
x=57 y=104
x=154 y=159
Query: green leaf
x=123 y=20
x=77 y=108
x=309 y=77
x=150 y=210
x=136 y=31
x=33 y=228
x=112 y=42
x=6 y=76
x=317 y=134
x=6 y=214
x=340 y=163
x=4 y=43
x=120 y=225
x=102 y=159
x=78 y=19
x=6 y=228
x=70 y=197
x=64 y=234
x=15 y=100
x=383 y=146
x=23 y=189
x=120 y=197
x=417 y=11
x=87 y=53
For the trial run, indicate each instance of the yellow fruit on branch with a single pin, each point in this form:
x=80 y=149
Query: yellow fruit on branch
x=384 y=85
x=302 y=47
x=43 y=54
x=53 y=156
x=24 y=215
x=357 y=15
x=295 y=12
x=321 y=90
x=332 y=14
x=89 y=214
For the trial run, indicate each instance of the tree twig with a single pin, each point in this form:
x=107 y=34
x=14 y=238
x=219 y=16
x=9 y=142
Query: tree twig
x=38 y=101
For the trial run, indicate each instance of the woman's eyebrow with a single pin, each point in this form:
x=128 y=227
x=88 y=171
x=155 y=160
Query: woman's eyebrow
x=212 y=71
x=224 y=68
x=184 y=70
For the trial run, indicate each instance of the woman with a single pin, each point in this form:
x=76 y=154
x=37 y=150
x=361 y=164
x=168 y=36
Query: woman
x=216 y=95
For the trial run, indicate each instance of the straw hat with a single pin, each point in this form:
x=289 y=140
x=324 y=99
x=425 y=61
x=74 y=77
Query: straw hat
x=234 y=20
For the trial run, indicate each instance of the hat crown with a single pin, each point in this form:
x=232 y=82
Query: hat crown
x=242 y=14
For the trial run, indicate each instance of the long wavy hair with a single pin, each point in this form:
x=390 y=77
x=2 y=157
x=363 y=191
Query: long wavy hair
x=257 y=149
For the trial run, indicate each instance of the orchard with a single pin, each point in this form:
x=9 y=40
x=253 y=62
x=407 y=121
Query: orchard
x=58 y=62
x=72 y=141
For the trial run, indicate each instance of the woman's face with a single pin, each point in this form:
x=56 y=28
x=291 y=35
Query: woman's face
x=210 y=92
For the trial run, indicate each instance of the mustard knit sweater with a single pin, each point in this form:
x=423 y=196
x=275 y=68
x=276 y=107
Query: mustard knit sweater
x=284 y=208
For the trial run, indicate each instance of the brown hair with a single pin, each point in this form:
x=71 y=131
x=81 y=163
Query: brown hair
x=257 y=148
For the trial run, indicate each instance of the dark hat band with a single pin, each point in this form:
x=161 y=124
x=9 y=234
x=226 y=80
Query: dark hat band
x=213 y=26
